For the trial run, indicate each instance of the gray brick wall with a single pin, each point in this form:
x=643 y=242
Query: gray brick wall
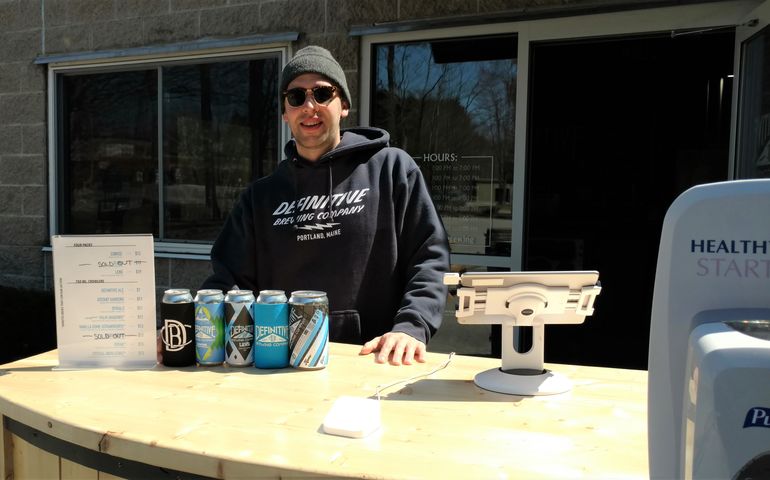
x=30 y=28
x=23 y=166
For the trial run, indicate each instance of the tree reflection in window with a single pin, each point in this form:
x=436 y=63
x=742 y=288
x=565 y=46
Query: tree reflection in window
x=219 y=125
x=451 y=104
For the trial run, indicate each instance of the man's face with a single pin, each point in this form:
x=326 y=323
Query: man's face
x=316 y=127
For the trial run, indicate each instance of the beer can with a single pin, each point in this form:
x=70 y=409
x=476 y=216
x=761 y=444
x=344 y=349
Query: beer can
x=209 y=327
x=239 y=332
x=177 y=330
x=308 y=329
x=271 y=330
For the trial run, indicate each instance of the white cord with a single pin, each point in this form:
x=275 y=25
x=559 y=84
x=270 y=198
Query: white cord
x=380 y=388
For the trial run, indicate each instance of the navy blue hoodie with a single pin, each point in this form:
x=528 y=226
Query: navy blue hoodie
x=378 y=247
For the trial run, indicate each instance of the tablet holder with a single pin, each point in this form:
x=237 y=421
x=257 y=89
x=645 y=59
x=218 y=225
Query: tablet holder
x=524 y=299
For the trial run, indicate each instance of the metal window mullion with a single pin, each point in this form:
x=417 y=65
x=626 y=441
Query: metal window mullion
x=160 y=176
x=54 y=147
x=519 y=184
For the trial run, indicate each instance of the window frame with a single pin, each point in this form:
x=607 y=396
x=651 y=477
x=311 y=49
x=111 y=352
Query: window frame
x=751 y=27
x=601 y=25
x=58 y=69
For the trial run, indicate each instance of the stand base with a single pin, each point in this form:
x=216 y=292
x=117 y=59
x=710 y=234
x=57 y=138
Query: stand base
x=548 y=383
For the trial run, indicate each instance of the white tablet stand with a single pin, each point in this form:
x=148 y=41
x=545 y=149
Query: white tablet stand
x=524 y=299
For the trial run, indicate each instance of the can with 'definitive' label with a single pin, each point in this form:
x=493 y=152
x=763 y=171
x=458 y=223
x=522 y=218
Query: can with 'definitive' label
x=309 y=329
x=239 y=328
x=271 y=330
x=209 y=327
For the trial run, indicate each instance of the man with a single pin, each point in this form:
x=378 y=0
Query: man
x=343 y=213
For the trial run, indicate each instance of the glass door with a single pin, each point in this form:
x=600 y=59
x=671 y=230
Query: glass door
x=451 y=104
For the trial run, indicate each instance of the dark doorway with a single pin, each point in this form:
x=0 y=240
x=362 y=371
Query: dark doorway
x=619 y=128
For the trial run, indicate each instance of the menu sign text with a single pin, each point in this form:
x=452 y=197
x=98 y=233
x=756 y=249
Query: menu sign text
x=105 y=300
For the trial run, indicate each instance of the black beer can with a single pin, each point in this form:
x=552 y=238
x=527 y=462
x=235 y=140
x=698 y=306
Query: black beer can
x=177 y=312
x=239 y=328
x=309 y=329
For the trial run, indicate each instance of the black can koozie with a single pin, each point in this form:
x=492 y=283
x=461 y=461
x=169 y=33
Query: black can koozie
x=177 y=333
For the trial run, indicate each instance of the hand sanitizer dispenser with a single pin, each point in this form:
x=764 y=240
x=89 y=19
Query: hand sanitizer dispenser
x=709 y=357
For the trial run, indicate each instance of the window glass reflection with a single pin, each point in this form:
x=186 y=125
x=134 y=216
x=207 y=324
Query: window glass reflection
x=451 y=105
x=109 y=153
x=753 y=148
x=220 y=133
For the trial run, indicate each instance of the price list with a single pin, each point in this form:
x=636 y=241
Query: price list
x=105 y=300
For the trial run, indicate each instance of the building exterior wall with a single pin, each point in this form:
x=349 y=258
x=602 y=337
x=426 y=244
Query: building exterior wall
x=33 y=28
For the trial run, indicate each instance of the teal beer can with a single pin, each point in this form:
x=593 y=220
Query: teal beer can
x=271 y=330
x=209 y=327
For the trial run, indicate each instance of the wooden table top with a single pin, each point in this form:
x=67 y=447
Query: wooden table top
x=243 y=422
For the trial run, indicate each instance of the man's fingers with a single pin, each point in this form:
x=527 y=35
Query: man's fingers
x=419 y=352
x=386 y=348
x=397 y=357
x=408 y=355
x=370 y=346
x=396 y=349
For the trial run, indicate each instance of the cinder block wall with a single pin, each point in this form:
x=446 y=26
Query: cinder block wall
x=30 y=28
x=23 y=172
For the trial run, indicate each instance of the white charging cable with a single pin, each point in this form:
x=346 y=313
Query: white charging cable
x=380 y=388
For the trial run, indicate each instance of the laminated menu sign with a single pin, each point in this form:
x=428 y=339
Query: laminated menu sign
x=105 y=300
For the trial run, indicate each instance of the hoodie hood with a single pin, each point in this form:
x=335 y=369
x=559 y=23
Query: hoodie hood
x=353 y=141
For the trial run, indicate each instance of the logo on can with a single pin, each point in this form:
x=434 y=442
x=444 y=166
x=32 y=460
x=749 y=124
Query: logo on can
x=239 y=334
x=178 y=314
x=271 y=330
x=174 y=335
x=309 y=329
x=209 y=327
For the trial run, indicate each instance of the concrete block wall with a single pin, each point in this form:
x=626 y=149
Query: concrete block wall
x=23 y=168
x=31 y=28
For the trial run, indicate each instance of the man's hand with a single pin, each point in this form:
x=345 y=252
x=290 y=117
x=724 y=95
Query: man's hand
x=396 y=348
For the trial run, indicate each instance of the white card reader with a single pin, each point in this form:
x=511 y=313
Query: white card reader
x=353 y=417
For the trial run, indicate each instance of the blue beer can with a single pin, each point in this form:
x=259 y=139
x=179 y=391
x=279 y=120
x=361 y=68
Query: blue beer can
x=209 y=327
x=271 y=330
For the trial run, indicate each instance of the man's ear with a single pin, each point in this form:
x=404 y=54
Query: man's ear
x=345 y=109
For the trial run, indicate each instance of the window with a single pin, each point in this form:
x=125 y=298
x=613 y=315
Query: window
x=451 y=104
x=753 y=146
x=165 y=149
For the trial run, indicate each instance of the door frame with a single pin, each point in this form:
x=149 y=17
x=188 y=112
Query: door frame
x=748 y=26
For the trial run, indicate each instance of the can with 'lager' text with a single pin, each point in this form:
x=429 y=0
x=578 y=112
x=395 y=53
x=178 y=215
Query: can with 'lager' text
x=239 y=329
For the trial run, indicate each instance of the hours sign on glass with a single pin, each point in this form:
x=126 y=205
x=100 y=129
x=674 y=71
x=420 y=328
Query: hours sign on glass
x=105 y=300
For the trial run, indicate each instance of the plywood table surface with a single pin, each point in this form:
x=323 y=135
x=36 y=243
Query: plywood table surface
x=229 y=422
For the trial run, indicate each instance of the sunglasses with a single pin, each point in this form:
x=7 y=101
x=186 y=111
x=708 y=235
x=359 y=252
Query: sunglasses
x=322 y=95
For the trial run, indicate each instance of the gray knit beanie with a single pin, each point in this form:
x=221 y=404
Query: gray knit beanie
x=315 y=59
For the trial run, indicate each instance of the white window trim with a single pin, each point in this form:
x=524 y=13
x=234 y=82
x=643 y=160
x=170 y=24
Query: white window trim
x=174 y=249
x=629 y=22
